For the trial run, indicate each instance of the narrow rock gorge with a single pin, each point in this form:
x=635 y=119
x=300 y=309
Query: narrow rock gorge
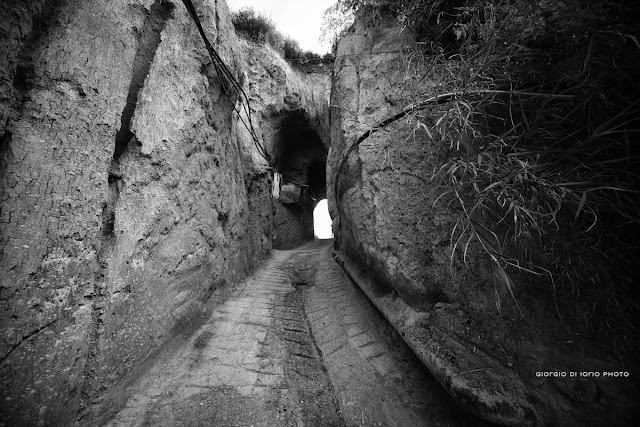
x=140 y=190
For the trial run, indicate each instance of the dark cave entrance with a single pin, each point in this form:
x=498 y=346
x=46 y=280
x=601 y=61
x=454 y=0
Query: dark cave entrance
x=300 y=158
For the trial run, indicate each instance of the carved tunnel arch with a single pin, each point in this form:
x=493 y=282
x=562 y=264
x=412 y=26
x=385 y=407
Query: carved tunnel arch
x=300 y=157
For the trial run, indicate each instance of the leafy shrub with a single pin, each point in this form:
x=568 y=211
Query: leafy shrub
x=291 y=49
x=311 y=57
x=336 y=21
x=293 y=53
x=261 y=29
x=257 y=27
x=328 y=57
x=552 y=144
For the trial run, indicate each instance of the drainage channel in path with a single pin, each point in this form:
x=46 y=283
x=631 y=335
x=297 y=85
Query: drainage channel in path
x=306 y=377
x=297 y=345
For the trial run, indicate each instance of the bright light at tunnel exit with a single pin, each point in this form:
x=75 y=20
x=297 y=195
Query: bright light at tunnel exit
x=322 y=221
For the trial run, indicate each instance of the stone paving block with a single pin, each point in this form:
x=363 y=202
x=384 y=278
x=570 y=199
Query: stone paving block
x=351 y=319
x=257 y=320
x=354 y=330
x=384 y=364
x=330 y=347
x=361 y=340
x=328 y=334
x=270 y=367
x=315 y=312
x=260 y=390
x=373 y=349
x=231 y=376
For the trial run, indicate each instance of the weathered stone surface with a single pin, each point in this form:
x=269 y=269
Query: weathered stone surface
x=181 y=215
x=57 y=146
x=388 y=222
x=492 y=391
x=16 y=22
x=290 y=193
x=388 y=225
x=293 y=225
x=130 y=191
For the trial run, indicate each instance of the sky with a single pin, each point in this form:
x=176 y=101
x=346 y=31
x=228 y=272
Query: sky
x=322 y=221
x=299 y=19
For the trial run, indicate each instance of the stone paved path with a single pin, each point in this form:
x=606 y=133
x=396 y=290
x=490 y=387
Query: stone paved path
x=297 y=345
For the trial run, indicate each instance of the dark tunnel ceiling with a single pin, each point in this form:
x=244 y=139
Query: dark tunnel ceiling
x=299 y=154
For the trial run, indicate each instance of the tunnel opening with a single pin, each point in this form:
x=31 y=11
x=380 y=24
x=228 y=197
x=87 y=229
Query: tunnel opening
x=300 y=158
x=322 y=223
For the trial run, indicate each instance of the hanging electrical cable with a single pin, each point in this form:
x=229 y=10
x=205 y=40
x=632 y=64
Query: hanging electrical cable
x=231 y=82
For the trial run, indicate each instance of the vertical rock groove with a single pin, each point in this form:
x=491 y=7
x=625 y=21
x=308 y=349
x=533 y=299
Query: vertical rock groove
x=147 y=46
x=148 y=42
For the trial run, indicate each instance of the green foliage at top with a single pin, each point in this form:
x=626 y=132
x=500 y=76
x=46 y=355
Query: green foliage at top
x=294 y=53
x=261 y=29
x=257 y=27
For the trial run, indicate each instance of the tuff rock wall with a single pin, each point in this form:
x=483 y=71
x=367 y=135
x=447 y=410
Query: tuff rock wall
x=130 y=194
x=389 y=227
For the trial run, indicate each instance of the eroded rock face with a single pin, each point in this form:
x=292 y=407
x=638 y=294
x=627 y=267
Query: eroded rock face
x=130 y=192
x=388 y=226
x=386 y=220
